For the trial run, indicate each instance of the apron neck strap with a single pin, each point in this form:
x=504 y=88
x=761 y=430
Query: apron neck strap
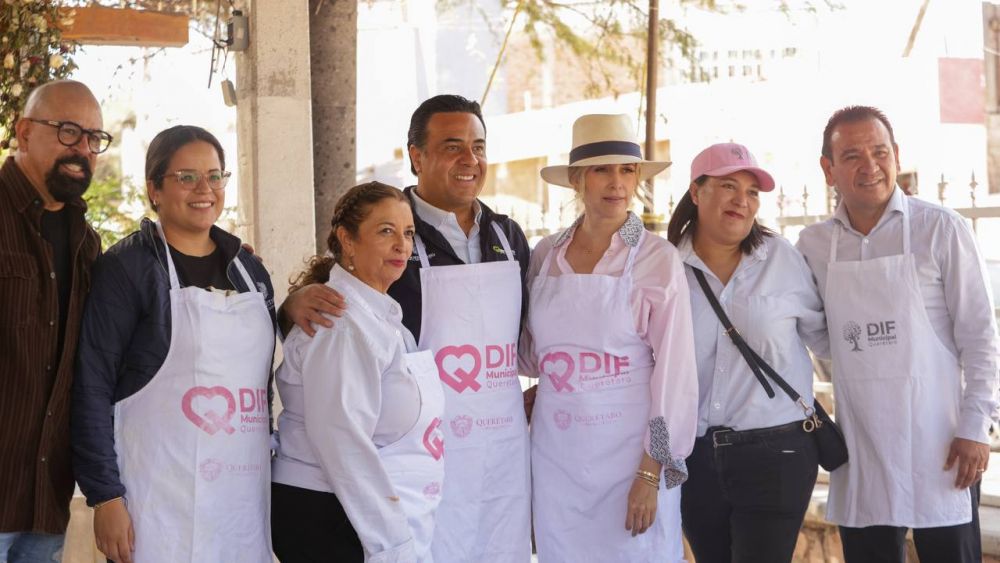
x=632 y=253
x=174 y=282
x=906 y=224
x=425 y=262
x=246 y=275
x=503 y=241
x=172 y=270
x=418 y=243
x=837 y=228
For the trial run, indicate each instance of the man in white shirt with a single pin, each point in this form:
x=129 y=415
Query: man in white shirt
x=915 y=389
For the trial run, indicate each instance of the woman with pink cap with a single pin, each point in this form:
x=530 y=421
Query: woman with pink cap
x=609 y=335
x=754 y=463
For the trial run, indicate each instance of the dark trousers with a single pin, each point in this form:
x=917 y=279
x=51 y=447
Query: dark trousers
x=311 y=527
x=745 y=503
x=887 y=544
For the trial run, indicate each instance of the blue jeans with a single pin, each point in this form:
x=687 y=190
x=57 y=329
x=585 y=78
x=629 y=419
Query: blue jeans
x=30 y=547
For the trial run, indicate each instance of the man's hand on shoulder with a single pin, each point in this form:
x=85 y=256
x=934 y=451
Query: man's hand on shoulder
x=306 y=306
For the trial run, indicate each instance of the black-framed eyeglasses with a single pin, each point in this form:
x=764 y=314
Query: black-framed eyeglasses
x=69 y=134
x=189 y=179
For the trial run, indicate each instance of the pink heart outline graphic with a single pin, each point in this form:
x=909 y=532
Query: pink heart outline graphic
x=215 y=422
x=560 y=381
x=436 y=445
x=461 y=380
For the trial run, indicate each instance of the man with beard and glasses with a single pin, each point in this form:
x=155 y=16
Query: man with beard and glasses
x=46 y=251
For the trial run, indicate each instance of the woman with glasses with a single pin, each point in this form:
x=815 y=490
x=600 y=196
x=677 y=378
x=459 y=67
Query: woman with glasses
x=171 y=402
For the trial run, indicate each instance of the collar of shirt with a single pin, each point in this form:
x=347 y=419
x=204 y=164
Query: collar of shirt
x=380 y=304
x=629 y=233
x=439 y=218
x=894 y=206
x=691 y=258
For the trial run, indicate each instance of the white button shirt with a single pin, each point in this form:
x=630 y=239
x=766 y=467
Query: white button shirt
x=346 y=392
x=466 y=247
x=772 y=301
x=953 y=284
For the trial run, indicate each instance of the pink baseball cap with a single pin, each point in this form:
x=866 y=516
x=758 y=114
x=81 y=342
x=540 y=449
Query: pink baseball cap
x=725 y=158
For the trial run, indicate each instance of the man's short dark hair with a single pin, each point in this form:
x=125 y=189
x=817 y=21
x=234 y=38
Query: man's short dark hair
x=444 y=103
x=853 y=114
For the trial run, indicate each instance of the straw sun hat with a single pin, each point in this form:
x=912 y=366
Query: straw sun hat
x=603 y=139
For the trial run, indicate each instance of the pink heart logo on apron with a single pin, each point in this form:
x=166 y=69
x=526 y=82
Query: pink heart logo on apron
x=434 y=445
x=215 y=421
x=460 y=380
x=559 y=378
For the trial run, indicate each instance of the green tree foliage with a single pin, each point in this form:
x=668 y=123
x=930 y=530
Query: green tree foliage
x=111 y=206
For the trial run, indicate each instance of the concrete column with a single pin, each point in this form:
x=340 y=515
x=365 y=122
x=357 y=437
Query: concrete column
x=274 y=122
x=333 y=33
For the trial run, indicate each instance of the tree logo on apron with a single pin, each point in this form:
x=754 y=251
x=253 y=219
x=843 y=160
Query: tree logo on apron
x=459 y=378
x=852 y=333
x=433 y=441
x=881 y=333
x=210 y=420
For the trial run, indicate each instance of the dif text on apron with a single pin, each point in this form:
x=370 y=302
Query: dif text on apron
x=470 y=321
x=589 y=422
x=193 y=444
x=898 y=391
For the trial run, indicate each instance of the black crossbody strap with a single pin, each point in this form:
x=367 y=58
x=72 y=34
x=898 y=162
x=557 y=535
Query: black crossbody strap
x=734 y=334
x=753 y=359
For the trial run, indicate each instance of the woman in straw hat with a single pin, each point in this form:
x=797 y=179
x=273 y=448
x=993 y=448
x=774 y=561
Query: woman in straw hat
x=754 y=463
x=609 y=334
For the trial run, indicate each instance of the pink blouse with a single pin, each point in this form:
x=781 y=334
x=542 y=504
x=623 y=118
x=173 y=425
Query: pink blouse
x=661 y=308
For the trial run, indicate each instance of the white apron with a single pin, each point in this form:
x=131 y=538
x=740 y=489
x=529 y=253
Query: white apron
x=470 y=320
x=193 y=444
x=589 y=422
x=898 y=391
x=415 y=463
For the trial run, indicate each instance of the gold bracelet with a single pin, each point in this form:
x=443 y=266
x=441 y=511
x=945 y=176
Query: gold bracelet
x=648 y=481
x=100 y=504
x=649 y=474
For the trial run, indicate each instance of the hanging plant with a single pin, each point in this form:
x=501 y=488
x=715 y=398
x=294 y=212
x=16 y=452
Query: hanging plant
x=32 y=52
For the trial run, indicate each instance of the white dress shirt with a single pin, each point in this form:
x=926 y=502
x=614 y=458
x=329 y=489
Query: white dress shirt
x=772 y=301
x=466 y=247
x=953 y=284
x=346 y=393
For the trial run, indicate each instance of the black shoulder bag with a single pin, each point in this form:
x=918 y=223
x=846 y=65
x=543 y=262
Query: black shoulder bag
x=830 y=442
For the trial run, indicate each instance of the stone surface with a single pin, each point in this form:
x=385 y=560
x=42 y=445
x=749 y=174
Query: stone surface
x=275 y=149
x=333 y=32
